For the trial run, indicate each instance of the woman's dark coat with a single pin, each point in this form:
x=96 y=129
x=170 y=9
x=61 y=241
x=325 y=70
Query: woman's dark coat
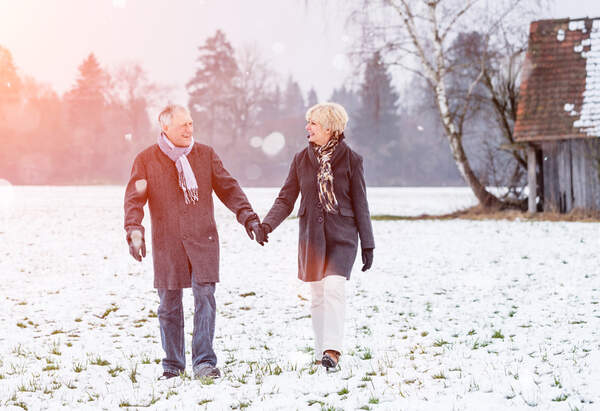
x=327 y=242
x=184 y=236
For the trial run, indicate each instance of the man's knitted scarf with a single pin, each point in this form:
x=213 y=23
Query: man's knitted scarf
x=187 y=180
x=324 y=154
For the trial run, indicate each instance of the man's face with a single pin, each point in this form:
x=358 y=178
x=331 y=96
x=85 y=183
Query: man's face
x=181 y=129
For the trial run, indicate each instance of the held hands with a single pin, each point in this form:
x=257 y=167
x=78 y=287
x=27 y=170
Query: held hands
x=255 y=230
x=367 y=258
x=136 y=242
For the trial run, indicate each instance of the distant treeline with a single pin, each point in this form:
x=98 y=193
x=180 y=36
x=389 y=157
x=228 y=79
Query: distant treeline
x=255 y=122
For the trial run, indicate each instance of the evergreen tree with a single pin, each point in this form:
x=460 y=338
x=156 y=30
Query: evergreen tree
x=377 y=133
x=293 y=102
x=88 y=130
x=351 y=102
x=10 y=83
x=88 y=98
x=312 y=98
x=10 y=100
x=293 y=112
x=212 y=90
x=271 y=107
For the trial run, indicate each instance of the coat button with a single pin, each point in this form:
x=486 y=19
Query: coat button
x=320 y=219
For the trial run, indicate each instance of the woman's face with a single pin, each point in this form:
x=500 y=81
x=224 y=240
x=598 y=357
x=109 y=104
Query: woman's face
x=316 y=133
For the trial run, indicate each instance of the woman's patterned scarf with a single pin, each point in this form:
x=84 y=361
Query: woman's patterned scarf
x=325 y=175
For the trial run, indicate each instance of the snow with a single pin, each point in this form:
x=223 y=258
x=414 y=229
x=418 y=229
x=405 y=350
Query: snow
x=576 y=25
x=589 y=117
x=464 y=315
x=560 y=35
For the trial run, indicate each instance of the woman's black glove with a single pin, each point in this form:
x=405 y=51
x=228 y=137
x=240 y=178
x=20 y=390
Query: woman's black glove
x=266 y=228
x=367 y=258
x=253 y=228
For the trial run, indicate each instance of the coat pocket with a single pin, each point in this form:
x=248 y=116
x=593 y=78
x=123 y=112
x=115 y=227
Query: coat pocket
x=346 y=212
x=302 y=210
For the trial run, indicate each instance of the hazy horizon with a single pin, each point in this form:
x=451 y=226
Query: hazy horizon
x=50 y=39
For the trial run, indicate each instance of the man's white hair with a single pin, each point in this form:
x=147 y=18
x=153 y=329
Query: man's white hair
x=166 y=115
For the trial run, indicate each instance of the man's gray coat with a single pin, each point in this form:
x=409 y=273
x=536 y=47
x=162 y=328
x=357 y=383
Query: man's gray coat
x=327 y=242
x=184 y=236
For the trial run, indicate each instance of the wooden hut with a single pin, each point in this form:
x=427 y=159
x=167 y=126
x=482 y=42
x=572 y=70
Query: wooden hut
x=558 y=116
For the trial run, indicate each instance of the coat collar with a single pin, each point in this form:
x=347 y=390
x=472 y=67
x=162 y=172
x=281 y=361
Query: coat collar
x=339 y=150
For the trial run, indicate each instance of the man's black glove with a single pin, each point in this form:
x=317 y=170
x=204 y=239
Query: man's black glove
x=136 y=242
x=253 y=228
x=367 y=258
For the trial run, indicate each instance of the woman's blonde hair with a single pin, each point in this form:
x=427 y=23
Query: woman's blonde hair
x=329 y=115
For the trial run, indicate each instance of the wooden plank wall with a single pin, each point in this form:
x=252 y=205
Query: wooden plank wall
x=571 y=175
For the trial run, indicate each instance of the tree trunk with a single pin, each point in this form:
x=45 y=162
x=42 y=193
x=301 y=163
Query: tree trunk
x=454 y=134
x=486 y=199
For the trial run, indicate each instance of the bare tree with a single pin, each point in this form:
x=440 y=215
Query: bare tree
x=418 y=35
x=253 y=83
x=134 y=93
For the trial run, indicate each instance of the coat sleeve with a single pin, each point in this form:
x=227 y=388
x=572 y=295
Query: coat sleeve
x=136 y=195
x=229 y=191
x=358 y=192
x=284 y=203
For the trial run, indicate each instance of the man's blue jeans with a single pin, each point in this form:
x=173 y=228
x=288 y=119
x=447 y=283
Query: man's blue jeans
x=170 y=318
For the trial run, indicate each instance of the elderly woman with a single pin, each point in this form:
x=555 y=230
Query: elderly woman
x=333 y=214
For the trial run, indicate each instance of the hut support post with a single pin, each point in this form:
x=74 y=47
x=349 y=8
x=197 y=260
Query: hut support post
x=532 y=178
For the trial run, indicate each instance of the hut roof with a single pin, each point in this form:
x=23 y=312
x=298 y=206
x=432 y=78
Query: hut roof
x=560 y=87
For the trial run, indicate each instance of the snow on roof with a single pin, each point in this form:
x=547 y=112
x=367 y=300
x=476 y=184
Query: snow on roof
x=560 y=88
x=589 y=120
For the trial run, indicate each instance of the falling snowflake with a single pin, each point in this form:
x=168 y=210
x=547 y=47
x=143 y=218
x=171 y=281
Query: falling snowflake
x=256 y=142
x=340 y=62
x=140 y=186
x=278 y=48
x=119 y=3
x=273 y=143
x=128 y=136
x=560 y=36
x=420 y=128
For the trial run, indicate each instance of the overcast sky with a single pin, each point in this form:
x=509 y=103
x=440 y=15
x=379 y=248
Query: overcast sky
x=50 y=38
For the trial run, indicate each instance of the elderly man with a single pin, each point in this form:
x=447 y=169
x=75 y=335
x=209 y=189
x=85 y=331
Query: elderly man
x=177 y=177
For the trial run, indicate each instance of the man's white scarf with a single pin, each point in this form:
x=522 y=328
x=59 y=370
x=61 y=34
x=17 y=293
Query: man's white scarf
x=187 y=180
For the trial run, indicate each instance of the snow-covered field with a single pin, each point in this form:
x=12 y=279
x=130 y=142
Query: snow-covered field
x=465 y=315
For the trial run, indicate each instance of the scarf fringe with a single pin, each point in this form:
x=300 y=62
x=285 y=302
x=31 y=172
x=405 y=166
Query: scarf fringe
x=189 y=194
